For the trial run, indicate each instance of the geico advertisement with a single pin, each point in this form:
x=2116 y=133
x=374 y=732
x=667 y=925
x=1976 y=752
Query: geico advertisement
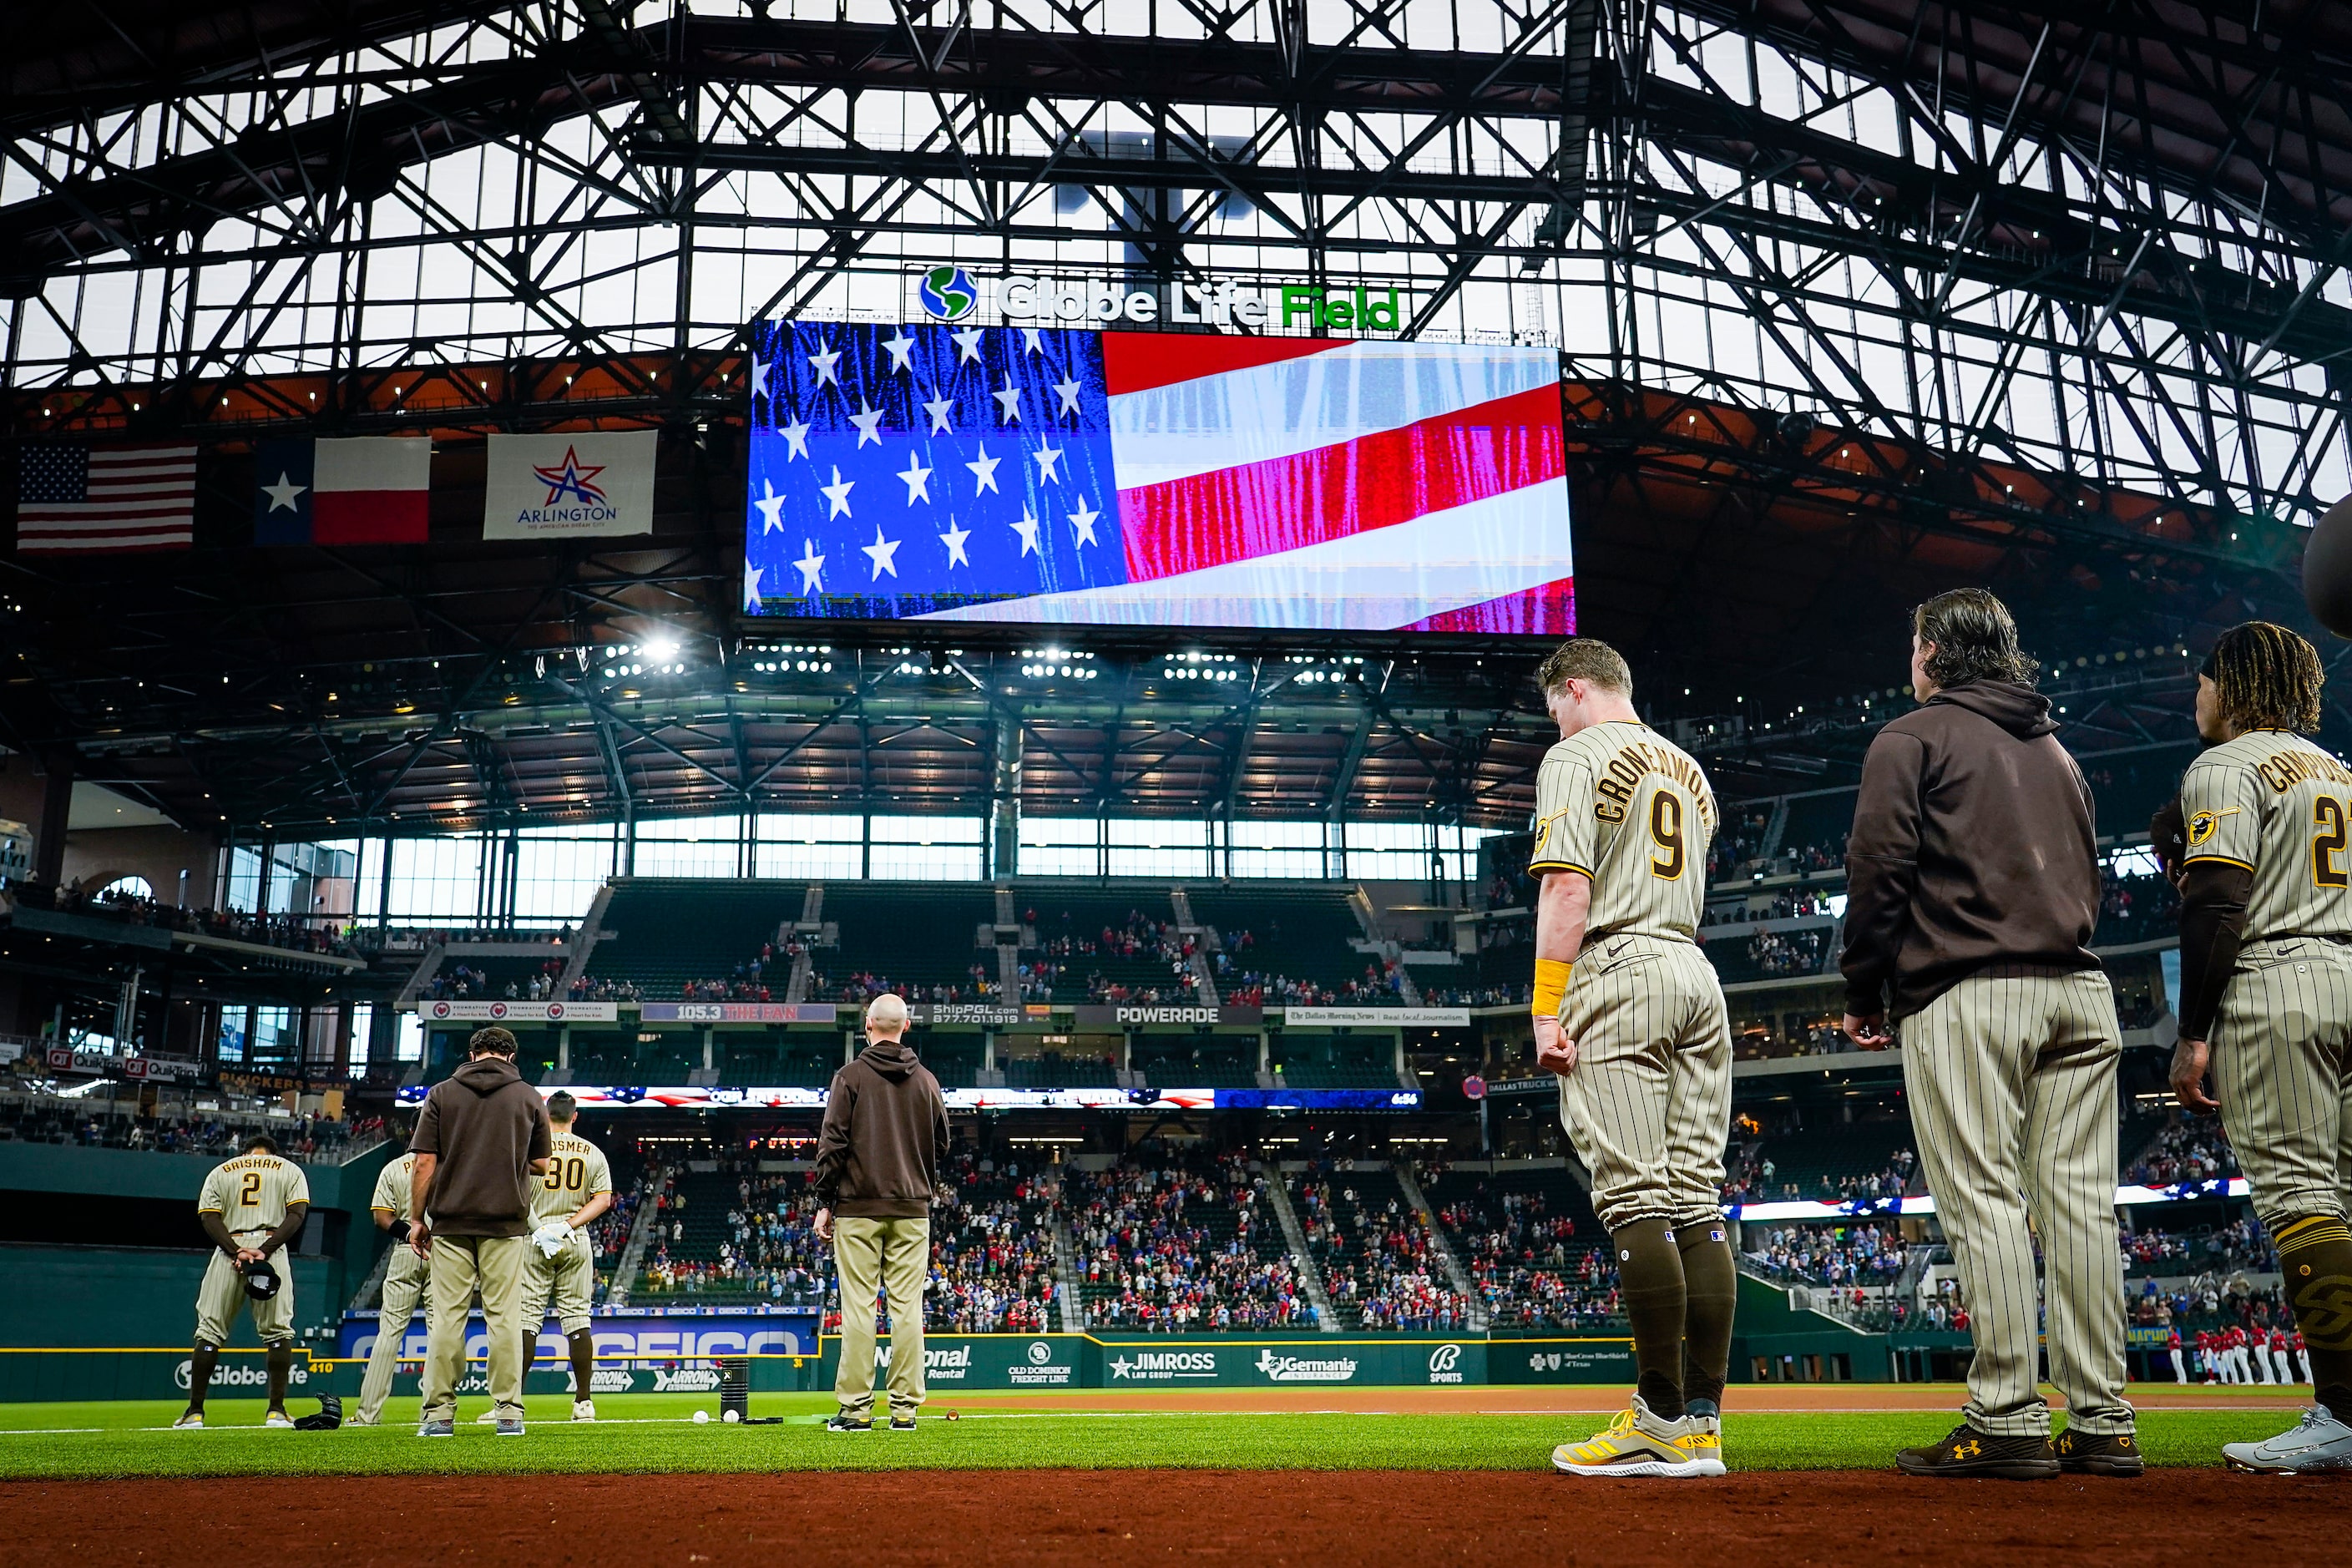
x=643 y=1339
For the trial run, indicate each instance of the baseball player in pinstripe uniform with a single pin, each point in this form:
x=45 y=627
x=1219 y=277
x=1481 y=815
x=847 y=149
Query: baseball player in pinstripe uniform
x=2266 y=994
x=1629 y=1013
x=1972 y=890
x=404 y=1280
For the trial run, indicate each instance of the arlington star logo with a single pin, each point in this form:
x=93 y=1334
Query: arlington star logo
x=948 y=293
x=568 y=480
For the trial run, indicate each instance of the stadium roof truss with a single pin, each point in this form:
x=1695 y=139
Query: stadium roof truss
x=2105 y=249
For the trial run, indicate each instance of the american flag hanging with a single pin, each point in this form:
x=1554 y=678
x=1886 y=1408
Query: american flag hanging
x=1067 y=477
x=72 y=498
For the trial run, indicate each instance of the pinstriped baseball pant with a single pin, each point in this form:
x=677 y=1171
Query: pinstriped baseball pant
x=1648 y=1107
x=2012 y=1076
x=2282 y=1072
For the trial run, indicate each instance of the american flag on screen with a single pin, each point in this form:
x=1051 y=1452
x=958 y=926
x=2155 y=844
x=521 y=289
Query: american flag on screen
x=1056 y=476
x=75 y=498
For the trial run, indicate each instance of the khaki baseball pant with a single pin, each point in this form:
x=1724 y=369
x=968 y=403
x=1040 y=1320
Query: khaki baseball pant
x=406 y=1278
x=893 y=1256
x=222 y=1296
x=2012 y=1075
x=462 y=1265
x=1648 y=1107
x=2282 y=1072
x=566 y=1284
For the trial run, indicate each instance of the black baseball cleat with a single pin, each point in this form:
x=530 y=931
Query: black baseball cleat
x=902 y=1423
x=2098 y=1453
x=848 y=1424
x=1968 y=1452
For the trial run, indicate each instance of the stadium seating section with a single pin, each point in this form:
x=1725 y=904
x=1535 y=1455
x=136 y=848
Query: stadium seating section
x=1532 y=1246
x=669 y=931
x=1198 y=1061
x=1293 y=932
x=1176 y=1243
x=1374 y=1250
x=465 y=976
x=1334 y=1061
x=915 y=937
x=1830 y=1164
x=992 y=1252
x=1070 y=922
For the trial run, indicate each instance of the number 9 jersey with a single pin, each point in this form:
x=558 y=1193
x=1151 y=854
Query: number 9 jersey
x=1630 y=810
x=2275 y=804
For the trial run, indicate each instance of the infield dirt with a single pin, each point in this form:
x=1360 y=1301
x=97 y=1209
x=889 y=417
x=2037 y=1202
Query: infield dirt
x=1088 y=1518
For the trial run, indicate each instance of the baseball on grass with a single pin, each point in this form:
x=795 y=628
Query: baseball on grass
x=951 y=1415
x=729 y=1415
x=701 y=1418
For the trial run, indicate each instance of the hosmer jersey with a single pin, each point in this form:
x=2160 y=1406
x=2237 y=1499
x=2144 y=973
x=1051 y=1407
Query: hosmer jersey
x=253 y=1191
x=576 y=1171
x=2278 y=806
x=394 y=1185
x=1625 y=806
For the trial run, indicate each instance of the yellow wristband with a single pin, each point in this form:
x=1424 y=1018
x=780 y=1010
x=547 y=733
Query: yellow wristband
x=1551 y=984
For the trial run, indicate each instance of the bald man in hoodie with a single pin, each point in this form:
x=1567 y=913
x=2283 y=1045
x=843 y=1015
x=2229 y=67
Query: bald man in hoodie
x=878 y=1162
x=1972 y=890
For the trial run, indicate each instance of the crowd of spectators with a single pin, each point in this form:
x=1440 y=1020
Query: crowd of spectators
x=1778 y=953
x=309 y=1138
x=2241 y=1245
x=289 y=931
x=1378 y=1261
x=1154 y=1261
x=1490 y=995
x=1784 y=906
x=2185 y=1150
x=1529 y=1264
x=2136 y=909
x=461 y=981
x=1380 y=986
x=1838 y=1255
x=1751 y=1175
x=992 y=1266
x=588 y=988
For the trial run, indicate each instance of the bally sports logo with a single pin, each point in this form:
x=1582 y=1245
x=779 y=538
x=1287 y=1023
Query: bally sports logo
x=1298 y=1369
x=1446 y=1364
x=1151 y=1366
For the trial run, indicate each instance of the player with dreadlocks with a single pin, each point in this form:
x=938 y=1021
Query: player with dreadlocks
x=2266 y=994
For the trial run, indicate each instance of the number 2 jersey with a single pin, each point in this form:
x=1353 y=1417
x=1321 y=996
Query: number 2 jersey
x=253 y=1191
x=2276 y=804
x=1632 y=812
x=576 y=1171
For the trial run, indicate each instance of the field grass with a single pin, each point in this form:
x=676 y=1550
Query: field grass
x=654 y=1432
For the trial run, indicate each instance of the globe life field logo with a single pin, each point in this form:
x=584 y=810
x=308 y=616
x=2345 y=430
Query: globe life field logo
x=948 y=293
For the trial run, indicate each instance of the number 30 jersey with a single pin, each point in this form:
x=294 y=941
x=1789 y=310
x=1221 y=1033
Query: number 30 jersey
x=1631 y=811
x=2276 y=804
x=576 y=1171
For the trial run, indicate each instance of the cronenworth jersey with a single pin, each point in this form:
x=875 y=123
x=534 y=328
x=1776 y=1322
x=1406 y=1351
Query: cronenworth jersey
x=1628 y=808
x=576 y=1171
x=2274 y=803
x=394 y=1185
x=253 y=1191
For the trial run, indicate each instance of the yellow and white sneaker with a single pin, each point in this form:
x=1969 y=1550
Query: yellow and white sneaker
x=279 y=1420
x=1702 y=1437
x=190 y=1422
x=1638 y=1443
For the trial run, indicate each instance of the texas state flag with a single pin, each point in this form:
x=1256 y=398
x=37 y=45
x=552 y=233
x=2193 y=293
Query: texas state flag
x=1060 y=475
x=369 y=490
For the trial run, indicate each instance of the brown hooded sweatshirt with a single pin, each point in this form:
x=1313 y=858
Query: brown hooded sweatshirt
x=484 y=1126
x=1973 y=846
x=884 y=1136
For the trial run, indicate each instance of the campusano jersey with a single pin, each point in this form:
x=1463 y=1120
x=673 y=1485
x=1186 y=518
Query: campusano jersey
x=253 y=1191
x=1631 y=810
x=394 y=1185
x=2278 y=806
x=576 y=1171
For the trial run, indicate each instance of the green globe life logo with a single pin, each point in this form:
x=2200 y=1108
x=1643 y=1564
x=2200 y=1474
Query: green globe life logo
x=948 y=293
